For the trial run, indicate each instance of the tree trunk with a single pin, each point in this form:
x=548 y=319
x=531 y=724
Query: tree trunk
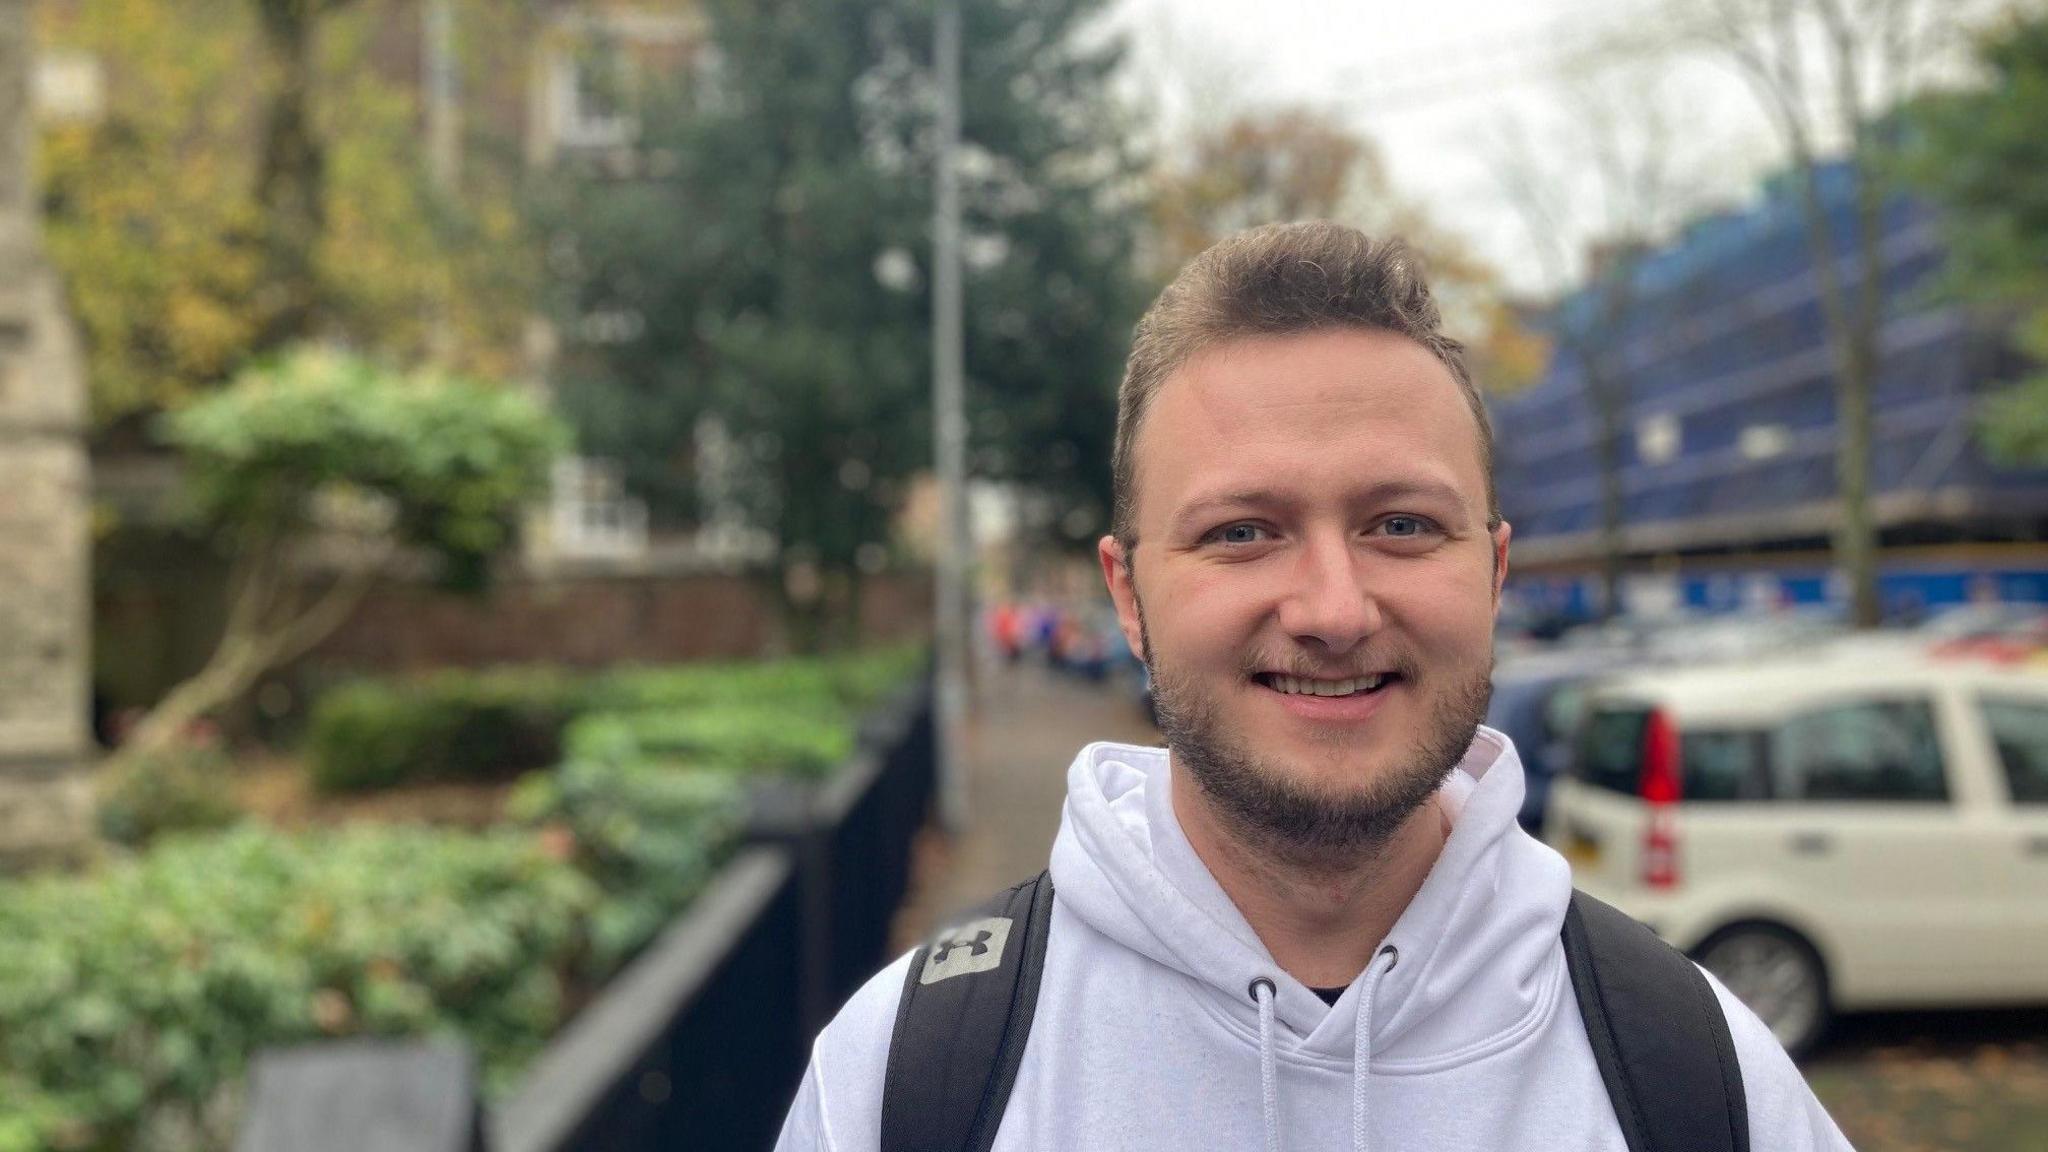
x=291 y=178
x=227 y=675
x=1856 y=531
x=253 y=643
x=1613 y=505
x=1852 y=320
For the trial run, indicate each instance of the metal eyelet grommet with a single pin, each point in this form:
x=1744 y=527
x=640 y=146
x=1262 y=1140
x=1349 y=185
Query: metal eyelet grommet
x=1252 y=989
x=1394 y=952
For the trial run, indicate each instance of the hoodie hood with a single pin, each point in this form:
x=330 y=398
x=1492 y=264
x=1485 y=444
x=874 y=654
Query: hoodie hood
x=1475 y=967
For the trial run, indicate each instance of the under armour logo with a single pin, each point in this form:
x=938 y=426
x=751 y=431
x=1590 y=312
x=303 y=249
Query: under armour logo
x=974 y=947
x=978 y=945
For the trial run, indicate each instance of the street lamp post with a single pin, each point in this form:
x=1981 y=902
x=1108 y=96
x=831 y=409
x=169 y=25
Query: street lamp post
x=949 y=431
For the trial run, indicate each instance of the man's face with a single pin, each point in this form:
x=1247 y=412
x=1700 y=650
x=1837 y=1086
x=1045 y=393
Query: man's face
x=1314 y=586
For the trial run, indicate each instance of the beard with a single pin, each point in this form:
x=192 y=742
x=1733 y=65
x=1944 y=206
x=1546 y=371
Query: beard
x=1266 y=806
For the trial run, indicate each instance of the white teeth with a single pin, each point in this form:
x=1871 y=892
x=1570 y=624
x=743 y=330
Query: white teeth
x=1296 y=686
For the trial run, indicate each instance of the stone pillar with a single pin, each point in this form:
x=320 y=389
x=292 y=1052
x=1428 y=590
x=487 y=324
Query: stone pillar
x=45 y=559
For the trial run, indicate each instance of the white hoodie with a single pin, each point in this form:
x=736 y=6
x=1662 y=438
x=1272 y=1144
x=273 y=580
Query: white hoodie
x=1462 y=1034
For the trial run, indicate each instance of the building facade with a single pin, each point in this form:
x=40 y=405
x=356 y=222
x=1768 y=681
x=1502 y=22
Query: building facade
x=1729 y=430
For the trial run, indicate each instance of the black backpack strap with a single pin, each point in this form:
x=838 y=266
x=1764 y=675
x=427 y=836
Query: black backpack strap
x=962 y=1025
x=1658 y=1033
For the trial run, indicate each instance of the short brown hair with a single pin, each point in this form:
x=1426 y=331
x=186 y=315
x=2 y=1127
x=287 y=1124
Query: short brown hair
x=1273 y=281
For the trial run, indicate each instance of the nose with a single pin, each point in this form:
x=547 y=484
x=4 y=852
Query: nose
x=1327 y=604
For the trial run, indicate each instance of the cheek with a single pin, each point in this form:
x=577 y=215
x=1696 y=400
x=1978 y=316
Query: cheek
x=1205 y=611
x=1449 y=607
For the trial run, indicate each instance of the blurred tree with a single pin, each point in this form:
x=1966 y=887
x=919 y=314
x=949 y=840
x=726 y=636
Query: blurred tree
x=323 y=462
x=149 y=210
x=1982 y=154
x=254 y=178
x=1303 y=163
x=291 y=173
x=766 y=267
x=1828 y=74
x=1258 y=168
x=1614 y=175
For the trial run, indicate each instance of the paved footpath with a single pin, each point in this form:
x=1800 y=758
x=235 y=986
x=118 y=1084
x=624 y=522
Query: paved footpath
x=1026 y=727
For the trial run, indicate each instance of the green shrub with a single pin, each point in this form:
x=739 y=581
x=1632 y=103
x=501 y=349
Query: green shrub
x=866 y=679
x=790 y=683
x=451 y=725
x=734 y=739
x=185 y=788
x=793 y=715
x=649 y=835
x=132 y=999
x=848 y=683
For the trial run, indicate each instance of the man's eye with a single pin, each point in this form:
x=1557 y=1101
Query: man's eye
x=1405 y=527
x=1237 y=534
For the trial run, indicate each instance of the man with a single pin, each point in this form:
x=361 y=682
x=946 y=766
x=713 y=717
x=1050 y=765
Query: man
x=1312 y=920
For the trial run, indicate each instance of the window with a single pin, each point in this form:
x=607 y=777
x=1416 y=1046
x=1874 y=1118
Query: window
x=589 y=96
x=1884 y=750
x=1564 y=711
x=1658 y=438
x=598 y=67
x=2019 y=730
x=1612 y=750
x=1722 y=765
x=1764 y=441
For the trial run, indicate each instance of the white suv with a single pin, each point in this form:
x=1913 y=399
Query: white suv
x=1823 y=834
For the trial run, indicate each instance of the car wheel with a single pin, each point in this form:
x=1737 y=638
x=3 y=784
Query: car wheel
x=1778 y=975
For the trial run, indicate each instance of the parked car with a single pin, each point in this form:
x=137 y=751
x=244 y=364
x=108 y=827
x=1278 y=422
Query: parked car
x=1824 y=835
x=1536 y=702
x=1991 y=620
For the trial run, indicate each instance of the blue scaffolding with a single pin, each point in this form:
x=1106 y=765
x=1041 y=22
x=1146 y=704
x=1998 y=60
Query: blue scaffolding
x=1729 y=431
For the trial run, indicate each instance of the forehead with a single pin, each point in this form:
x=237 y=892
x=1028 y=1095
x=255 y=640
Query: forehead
x=1330 y=409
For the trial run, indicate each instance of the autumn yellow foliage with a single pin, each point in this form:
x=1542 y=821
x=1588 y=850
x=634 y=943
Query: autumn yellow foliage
x=151 y=213
x=1303 y=163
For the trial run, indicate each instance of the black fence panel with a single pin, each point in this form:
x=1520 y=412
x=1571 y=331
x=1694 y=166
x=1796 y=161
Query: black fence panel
x=852 y=838
x=698 y=1044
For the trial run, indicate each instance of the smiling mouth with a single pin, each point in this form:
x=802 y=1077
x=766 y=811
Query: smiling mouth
x=1304 y=686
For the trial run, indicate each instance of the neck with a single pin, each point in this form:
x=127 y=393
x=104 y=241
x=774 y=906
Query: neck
x=1321 y=917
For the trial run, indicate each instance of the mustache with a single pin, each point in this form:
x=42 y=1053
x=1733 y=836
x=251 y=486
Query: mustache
x=1304 y=666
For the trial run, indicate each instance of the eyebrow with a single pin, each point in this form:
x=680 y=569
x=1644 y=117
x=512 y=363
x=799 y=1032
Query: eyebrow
x=1386 y=491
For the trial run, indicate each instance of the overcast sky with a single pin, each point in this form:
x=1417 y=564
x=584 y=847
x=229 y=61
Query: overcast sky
x=1434 y=84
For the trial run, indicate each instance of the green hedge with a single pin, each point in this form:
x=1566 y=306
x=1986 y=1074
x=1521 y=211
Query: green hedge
x=497 y=724
x=132 y=999
x=650 y=836
x=181 y=789
x=734 y=739
x=452 y=725
x=854 y=683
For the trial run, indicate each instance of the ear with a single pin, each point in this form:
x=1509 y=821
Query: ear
x=1501 y=535
x=1116 y=574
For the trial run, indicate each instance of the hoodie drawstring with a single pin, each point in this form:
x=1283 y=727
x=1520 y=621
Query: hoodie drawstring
x=1361 y=1043
x=1269 y=1093
x=1263 y=991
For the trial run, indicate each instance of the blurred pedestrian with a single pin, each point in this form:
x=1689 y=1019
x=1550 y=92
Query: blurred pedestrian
x=1003 y=629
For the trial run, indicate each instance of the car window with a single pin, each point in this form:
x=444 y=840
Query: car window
x=1516 y=708
x=1871 y=750
x=1721 y=765
x=1611 y=748
x=1563 y=711
x=2019 y=729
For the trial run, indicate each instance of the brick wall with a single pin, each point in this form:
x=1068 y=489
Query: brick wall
x=591 y=621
